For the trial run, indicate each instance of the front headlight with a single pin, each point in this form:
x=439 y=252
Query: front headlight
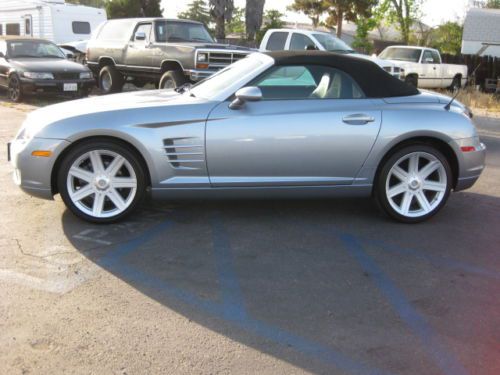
x=38 y=75
x=85 y=75
x=202 y=57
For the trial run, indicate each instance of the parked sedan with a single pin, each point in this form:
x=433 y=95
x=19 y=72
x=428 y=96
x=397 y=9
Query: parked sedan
x=33 y=66
x=273 y=125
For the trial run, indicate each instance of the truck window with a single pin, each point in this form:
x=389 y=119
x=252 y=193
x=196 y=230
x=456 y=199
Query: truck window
x=143 y=28
x=436 y=57
x=180 y=31
x=401 y=54
x=277 y=41
x=428 y=58
x=13 y=29
x=80 y=27
x=27 y=25
x=300 y=42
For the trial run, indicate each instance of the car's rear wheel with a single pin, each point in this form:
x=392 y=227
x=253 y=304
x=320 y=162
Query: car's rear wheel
x=172 y=79
x=15 y=89
x=101 y=181
x=414 y=183
x=110 y=80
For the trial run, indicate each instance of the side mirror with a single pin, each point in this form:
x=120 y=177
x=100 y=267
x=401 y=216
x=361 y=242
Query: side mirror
x=311 y=47
x=429 y=60
x=140 y=35
x=246 y=94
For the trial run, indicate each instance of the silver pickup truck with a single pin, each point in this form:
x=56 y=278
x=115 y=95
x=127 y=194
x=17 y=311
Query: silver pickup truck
x=166 y=52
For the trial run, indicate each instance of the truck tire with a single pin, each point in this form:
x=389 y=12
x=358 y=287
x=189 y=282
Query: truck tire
x=412 y=80
x=172 y=79
x=110 y=80
x=456 y=84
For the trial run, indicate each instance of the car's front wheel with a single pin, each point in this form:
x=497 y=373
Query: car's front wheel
x=15 y=89
x=414 y=183
x=101 y=181
x=110 y=80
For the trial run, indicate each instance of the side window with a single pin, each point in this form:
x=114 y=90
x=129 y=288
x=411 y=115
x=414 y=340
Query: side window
x=276 y=41
x=428 y=58
x=143 y=28
x=13 y=29
x=300 y=42
x=435 y=56
x=307 y=82
x=80 y=27
x=27 y=25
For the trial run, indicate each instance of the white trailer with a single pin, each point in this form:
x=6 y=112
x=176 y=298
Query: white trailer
x=54 y=20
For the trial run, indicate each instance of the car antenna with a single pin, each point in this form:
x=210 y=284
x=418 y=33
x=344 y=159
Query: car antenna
x=448 y=106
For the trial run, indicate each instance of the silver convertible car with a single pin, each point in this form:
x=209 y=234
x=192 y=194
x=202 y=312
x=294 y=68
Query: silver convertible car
x=280 y=124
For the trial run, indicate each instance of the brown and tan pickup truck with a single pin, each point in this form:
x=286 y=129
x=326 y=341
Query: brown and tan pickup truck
x=166 y=52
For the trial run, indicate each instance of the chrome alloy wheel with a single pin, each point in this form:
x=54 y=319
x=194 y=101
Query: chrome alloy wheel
x=416 y=184
x=101 y=183
x=106 y=81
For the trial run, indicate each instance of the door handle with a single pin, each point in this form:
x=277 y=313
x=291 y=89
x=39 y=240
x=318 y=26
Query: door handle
x=358 y=119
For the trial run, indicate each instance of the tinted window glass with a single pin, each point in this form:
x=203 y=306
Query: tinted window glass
x=144 y=28
x=27 y=26
x=401 y=54
x=300 y=42
x=13 y=29
x=116 y=30
x=175 y=31
x=307 y=82
x=435 y=56
x=428 y=58
x=81 y=27
x=34 y=48
x=276 y=41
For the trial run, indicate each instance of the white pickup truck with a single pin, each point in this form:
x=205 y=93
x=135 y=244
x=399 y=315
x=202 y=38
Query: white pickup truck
x=424 y=67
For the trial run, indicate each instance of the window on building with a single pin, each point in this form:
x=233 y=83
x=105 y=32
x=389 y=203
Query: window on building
x=13 y=29
x=27 y=26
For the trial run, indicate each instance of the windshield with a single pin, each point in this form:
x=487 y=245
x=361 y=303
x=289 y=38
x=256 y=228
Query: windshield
x=34 y=48
x=332 y=44
x=401 y=54
x=178 y=31
x=213 y=85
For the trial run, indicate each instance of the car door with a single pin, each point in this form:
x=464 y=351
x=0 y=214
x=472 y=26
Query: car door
x=138 y=49
x=430 y=73
x=312 y=127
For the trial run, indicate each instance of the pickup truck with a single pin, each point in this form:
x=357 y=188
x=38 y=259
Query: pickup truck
x=424 y=67
x=166 y=52
x=301 y=39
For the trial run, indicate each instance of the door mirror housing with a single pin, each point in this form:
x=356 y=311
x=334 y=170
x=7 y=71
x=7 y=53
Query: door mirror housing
x=140 y=35
x=246 y=94
x=429 y=60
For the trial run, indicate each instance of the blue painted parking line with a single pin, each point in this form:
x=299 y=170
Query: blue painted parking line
x=431 y=343
x=231 y=308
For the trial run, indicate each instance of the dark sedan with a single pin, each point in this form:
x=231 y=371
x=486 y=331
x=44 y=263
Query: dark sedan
x=32 y=66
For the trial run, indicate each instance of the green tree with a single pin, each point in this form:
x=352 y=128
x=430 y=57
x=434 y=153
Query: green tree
x=197 y=11
x=363 y=26
x=350 y=10
x=493 y=4
x=221 y=11
x=237 y=23
x=404 y=13
x=253 y=17
x=313 y=9
x=447 y=38
x=273 y=19
x=133 y=8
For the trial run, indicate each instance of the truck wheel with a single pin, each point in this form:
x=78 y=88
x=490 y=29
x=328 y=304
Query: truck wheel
x=412 y=80
x=110 y=80
x=456 y=84
x=172 y=79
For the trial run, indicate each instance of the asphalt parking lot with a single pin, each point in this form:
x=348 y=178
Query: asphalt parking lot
x=250 y=287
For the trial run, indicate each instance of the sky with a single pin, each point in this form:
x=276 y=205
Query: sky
x=435 y=11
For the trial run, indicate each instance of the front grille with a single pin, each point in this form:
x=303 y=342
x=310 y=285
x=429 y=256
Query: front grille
x=65 y=75
x=223 y=59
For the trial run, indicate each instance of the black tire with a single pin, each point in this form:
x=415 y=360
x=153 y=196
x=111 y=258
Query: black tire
x=456 y=84
x=111 y=145
x=172 y=79
x=110 y=80
x=412 y=80
x=380 y=193
x=15 y=89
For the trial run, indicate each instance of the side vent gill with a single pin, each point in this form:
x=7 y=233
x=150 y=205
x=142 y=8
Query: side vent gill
x=185 y=152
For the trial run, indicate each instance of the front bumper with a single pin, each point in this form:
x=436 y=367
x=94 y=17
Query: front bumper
x=470 y=164
x=55 y=86
x=196 y=75
x=33 y=174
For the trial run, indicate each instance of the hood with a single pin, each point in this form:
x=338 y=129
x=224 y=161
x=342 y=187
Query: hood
x=50 y=65
x=79 y=46
x=376 y=60
x=132 y=107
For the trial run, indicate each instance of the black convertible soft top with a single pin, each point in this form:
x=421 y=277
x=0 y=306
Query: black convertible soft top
x=373 y=80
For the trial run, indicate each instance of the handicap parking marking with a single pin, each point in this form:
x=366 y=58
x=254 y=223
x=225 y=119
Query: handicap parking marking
x=430 y=341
